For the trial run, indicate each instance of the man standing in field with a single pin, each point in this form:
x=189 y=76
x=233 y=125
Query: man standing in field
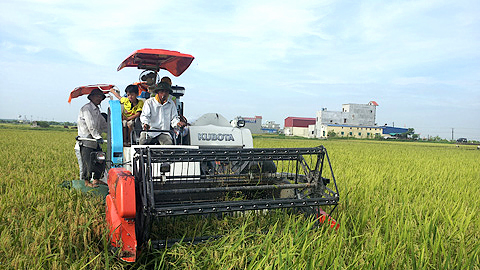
x=159 y=113
x=91 y=124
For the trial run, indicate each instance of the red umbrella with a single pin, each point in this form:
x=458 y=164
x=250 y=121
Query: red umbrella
x=85 y=90
x=157 y=59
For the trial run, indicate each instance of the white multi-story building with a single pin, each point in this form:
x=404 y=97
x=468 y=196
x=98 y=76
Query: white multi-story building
x=351 y=115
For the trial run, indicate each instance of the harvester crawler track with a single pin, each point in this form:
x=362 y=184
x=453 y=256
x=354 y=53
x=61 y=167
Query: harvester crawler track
x=177 y=182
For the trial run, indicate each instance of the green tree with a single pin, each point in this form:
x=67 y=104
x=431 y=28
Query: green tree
x=331 y=134
x=43 y=124
x=410 y=132
x=407 y=134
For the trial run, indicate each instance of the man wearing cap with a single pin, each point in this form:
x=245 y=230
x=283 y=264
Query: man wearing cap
x=91 y=124
x=159 y=113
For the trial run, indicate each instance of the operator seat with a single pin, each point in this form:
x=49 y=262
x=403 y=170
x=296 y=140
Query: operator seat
x=137 y=129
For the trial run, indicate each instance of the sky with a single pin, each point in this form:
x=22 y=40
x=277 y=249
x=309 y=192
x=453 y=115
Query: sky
x=419 y=60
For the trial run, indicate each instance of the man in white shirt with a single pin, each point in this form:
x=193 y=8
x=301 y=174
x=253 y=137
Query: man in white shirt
x=159 y=113
x=91 y=124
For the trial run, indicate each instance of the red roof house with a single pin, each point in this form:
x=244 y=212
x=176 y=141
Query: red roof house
x=299 y=122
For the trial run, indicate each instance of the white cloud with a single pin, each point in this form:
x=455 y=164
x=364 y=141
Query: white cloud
x=311 y=53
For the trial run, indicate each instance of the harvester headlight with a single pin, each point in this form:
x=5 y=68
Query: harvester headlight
x=240 y=123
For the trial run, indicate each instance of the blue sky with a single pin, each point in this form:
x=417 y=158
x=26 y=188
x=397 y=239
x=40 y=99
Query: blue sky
x=419 y=60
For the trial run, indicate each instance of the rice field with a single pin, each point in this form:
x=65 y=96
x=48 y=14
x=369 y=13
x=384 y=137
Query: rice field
x=403 y=205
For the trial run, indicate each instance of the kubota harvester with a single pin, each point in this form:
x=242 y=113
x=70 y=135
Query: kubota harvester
x=212 y=169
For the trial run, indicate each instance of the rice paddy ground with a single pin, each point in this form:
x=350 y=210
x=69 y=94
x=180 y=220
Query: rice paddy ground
x=403 y=205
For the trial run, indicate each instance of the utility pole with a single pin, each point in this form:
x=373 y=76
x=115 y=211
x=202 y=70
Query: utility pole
x=452 y=134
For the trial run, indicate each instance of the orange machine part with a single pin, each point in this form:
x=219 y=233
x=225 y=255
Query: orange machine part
x=323 y=217
x=120 y=213
x=121 y=185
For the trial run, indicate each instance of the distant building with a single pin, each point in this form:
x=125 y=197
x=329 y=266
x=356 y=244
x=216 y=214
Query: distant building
x=298 y=126
x=252 y=123
x=312 y=133
x=270 y=127
x=388 y=132
x=361 y=132
x=352 y=115
x=355 y=120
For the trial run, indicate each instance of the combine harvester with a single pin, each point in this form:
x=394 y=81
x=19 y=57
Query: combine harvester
x=212 y=170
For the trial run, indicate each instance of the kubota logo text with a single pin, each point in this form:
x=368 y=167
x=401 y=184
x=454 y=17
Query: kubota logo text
x=215 y=137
